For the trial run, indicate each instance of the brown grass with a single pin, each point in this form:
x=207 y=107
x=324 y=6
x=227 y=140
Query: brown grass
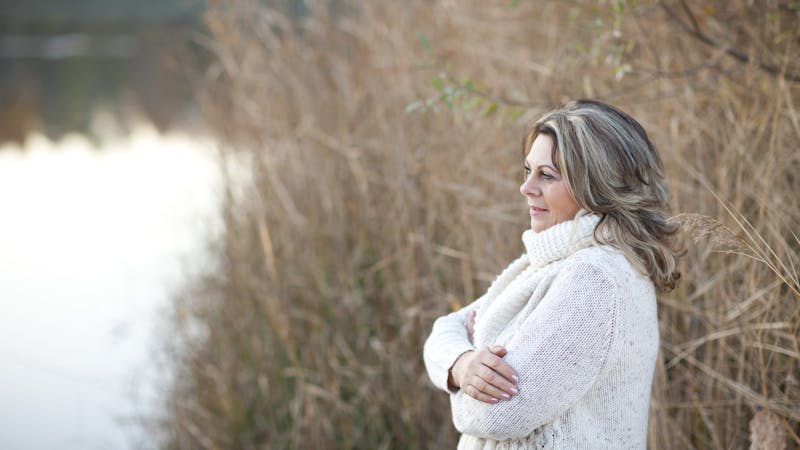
x=383 y=142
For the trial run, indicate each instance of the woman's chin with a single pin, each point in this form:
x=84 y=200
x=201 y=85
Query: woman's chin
x=538 y=224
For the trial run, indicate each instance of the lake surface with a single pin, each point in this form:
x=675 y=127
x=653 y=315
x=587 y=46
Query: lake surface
x=92 y=243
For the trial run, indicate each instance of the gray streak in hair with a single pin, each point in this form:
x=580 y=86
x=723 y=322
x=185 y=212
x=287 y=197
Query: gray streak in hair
x=612 y=169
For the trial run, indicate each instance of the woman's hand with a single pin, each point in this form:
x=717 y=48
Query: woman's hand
x=484 y=375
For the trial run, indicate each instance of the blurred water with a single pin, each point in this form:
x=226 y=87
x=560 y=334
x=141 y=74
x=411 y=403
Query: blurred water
x=92 y=242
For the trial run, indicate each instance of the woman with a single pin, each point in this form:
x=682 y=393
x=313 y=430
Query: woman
x=560 y=351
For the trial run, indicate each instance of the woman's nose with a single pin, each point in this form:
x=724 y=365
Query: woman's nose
x=528 y=187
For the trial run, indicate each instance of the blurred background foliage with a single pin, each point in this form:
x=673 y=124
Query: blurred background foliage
x=382 y=141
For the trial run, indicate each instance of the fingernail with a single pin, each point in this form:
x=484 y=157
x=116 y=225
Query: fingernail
x=494 y=400
x=514 y=390
x=506 y=396
x=515 y=378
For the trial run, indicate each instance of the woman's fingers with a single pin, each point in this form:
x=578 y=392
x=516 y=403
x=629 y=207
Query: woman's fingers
x=499 y=365
x=487 y=377
x=499 y=374
x=485 y=392
x=498 y=350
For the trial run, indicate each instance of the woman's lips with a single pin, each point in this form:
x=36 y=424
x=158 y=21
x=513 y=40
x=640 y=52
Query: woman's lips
x=534 y=211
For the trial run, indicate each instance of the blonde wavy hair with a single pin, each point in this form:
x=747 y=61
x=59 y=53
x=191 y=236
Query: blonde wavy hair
x=612 y=169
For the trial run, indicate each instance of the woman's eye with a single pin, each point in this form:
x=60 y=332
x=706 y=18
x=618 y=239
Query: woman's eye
x=526 y=171
x=547 y=176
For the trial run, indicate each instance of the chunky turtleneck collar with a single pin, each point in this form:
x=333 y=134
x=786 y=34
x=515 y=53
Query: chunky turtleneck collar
x=560 y=240
x=509 y=293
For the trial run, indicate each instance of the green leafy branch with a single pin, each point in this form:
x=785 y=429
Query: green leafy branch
x=464 y=94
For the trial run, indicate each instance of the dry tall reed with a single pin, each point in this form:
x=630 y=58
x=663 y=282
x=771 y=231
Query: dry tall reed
x=383 y=140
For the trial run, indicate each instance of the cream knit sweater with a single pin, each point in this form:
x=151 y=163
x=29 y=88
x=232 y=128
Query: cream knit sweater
x=579 y=323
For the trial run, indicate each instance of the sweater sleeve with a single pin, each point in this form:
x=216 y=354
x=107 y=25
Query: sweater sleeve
x=448 y=340
x=558 y=351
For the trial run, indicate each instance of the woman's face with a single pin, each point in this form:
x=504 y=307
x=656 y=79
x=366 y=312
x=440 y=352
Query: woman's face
x=549 y=199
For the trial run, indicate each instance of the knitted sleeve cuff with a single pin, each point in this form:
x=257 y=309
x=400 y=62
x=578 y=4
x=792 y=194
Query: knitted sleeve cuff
x=447 y=342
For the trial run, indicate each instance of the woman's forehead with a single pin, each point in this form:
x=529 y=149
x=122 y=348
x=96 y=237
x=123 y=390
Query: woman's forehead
x=541 y=151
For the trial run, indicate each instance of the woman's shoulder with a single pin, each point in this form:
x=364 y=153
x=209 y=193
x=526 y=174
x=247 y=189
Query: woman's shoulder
x=600 y=255
x=608 y=261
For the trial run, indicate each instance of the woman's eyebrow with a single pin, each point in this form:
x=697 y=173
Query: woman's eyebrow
x=528 y=163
